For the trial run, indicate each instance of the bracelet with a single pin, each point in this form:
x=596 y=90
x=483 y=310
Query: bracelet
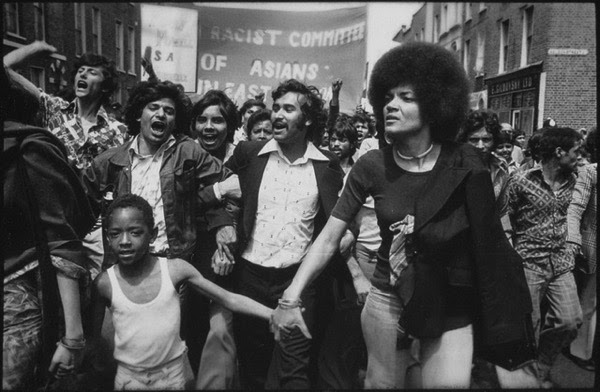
x=289 y=303
x=72 y=344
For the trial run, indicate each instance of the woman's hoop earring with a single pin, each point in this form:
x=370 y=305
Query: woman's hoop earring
x=387 y=138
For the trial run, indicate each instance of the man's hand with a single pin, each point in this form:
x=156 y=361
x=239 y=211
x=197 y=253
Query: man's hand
x=221 y=265
x=25 y=54
x=226 y=239
x=260 y=96
x=230 y=187
x=65 y=362
x=284 y=320
x=362 y=285
x=336 y=86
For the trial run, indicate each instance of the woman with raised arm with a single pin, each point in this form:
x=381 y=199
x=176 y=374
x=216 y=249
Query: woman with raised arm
x=446 y=276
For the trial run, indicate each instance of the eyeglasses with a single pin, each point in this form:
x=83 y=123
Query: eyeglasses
x=475 y=140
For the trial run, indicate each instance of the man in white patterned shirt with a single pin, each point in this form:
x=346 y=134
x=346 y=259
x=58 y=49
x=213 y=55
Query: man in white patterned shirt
x=289 y=188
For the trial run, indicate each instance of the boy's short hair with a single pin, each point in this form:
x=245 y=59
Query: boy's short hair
x=344 y=128
x=477 y=119
x=504 y=137
x=553 y=138
x=257 y=117
x=226 y=107
x=247 y=105
x=130 y=201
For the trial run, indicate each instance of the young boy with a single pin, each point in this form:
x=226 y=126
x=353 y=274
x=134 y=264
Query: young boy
x=141 y=293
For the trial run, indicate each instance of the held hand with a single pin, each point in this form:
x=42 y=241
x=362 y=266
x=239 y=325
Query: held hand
x=230 y=187
x=283 y=320
x=221 y=265
x=346 y=244
x=226 y=239
x=65 y=362
x=362 y=287
x=336 y=86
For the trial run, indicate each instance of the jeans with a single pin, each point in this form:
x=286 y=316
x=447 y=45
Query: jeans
x=445 y=362
x=559 y=328
x=264 y=364
x=174 y=375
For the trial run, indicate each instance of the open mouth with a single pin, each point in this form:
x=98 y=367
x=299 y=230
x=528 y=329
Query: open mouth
x=158 y=126
x=81 y=84
x=279 y=125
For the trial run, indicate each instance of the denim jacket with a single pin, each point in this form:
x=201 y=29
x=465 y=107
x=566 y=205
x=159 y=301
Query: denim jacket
x=186 y=170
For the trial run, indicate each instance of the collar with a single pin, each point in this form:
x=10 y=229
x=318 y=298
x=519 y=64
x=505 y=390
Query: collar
x=312 y=152
x=102 y=114
x=537 y=171
x=134 y=149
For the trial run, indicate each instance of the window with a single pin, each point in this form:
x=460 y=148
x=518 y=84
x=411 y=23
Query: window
x=482 y=7
x=11 y=18
x=480 y=53
x=131 y=49
x=119 y=45
x=39 y=21
x=38 y=77
x=79 y=28
x=423 y=34
x=503 y=63
x=468 y=15
x=436 y=29
x=96 y=31
x=466 y=54
x=527 y=36
x=444 y=20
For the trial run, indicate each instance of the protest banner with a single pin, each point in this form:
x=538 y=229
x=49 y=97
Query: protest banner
x=246 y=51
x=169 y=35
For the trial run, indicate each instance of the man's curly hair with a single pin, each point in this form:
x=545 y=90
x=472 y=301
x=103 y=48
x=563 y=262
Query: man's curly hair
x=477 y=119
x=312 y=105
x=111 y=78
x=144 y=93
x=226 y=107
x=247 y=105
x=439 y=81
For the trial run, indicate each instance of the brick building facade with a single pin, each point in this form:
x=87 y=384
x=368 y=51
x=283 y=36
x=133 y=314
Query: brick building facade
x=109 y=29
x=526 y=61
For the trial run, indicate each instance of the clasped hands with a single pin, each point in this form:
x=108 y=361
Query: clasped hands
x=284 y=319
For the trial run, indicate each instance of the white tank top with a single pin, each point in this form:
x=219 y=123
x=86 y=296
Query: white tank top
x=147 y=335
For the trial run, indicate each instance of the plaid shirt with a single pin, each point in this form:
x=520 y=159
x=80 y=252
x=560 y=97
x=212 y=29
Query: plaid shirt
x=60 y=117
x=539 y=219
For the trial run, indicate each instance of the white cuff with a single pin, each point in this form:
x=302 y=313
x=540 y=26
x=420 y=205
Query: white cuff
x=217 y=191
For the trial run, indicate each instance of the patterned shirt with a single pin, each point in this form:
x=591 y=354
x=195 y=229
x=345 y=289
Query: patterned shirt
x=539 y=219
x=60 y=117
x=145 y=182
x=288 y=202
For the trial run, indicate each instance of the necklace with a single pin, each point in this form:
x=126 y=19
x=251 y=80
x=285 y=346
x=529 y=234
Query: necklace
x=422 y=155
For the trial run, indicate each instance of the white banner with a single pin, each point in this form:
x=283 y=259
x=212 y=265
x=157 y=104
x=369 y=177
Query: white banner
x=170 y=36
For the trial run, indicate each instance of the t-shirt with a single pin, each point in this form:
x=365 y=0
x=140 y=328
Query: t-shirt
x=395 y=191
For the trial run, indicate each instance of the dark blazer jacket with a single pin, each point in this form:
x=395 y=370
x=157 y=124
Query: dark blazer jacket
x=249 y=167
x=458 y=239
